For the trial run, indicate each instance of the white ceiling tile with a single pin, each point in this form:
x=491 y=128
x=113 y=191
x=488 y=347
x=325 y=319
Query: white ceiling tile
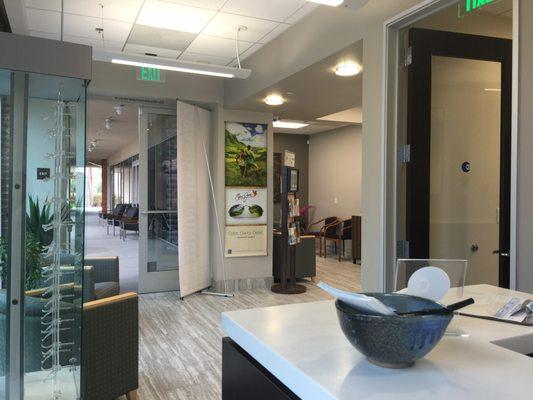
x=95 y=43
x=43 y=21
x=225 y=25
x=54 y=5
x=302 y=12
x=208 y=4
x=79 y=25
x=46 y=35
x=139 y=49
x=119 y=10
x=173 y=16
x=215 y=46
x=203 y=58
x=278 y=30
x=275 y=10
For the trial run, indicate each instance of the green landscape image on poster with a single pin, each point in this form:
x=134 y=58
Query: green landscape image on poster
x=246 y=154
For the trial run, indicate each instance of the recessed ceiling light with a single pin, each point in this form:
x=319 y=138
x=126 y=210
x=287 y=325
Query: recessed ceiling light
x=274 y=100
x=177 y=17
x=333 y=3
x=289 y=124
x=347 y=69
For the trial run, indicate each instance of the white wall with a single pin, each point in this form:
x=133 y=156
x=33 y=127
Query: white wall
x=335 y=172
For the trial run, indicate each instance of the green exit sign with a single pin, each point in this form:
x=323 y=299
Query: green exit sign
x=468 y=6
x=150 y=74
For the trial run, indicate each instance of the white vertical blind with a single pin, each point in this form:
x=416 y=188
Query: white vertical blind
x=193 y=125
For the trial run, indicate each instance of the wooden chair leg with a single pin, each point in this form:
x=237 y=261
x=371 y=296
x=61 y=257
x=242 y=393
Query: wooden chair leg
x=132 y=395
x=339 y=248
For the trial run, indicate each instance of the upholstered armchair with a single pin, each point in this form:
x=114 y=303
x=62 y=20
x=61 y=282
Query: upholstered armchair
x=106 y=276
x=111 y=348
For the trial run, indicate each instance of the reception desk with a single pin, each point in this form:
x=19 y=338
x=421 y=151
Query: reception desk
x=298 y=351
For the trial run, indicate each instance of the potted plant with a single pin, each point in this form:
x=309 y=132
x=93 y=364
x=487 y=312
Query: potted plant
x=302 y=218
x=34 y=261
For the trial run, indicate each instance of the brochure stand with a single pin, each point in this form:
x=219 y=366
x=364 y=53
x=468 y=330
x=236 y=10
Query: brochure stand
x=290 y=233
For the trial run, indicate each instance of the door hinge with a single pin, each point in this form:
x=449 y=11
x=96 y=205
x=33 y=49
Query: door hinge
x=402 y=249
x=407 y=56
x=404 y=154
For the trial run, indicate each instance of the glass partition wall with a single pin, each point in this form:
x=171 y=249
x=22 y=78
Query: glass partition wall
x=125 y=181
x=42 y=168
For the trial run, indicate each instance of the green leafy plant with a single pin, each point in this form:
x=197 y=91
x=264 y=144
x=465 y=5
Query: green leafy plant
x=36 y=217
x=34 y=261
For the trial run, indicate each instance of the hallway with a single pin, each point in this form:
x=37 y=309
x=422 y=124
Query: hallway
x=99 y=243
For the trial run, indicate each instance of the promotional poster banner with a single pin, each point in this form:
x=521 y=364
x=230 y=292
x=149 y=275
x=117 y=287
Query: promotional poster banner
x=246 y=206
x=246 y=241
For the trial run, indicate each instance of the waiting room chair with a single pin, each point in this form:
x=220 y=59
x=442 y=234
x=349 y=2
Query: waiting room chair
x=112 y=219
x=106 y=272
x=338 y=233
x=325 y=224
x=111 y=348
x=105 y=214
x=110 y=343
x=129 y=222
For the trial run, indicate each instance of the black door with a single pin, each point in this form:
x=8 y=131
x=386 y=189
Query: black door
x=443 y=67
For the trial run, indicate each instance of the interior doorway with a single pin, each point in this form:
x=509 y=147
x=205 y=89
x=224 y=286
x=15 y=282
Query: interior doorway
x=458 y=175
x=454 y=140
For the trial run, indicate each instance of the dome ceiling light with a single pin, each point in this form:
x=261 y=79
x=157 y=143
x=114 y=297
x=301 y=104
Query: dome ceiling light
x=347 y=69
x=274 y=100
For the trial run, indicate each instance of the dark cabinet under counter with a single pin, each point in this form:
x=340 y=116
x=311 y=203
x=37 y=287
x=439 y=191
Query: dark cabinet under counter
x=243 y=378
x=305 y=257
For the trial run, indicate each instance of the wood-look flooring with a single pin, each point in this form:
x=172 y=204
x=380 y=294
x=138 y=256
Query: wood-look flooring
x=180 y=340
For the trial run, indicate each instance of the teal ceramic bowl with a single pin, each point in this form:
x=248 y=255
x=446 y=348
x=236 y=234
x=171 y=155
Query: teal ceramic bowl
x=395 y=341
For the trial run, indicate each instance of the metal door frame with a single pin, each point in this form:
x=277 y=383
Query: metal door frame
x=161 y=281
x=425 y=44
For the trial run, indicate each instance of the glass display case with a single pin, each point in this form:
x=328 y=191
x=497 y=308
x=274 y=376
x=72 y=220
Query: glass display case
x=42 y=172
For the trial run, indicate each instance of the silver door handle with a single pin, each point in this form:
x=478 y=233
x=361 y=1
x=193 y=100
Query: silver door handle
x=500 y=253
x=160 y=212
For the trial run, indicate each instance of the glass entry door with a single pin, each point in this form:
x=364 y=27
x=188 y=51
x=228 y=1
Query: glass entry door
x=158 y=200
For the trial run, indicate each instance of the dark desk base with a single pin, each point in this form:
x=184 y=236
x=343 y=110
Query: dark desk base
x=243 y=378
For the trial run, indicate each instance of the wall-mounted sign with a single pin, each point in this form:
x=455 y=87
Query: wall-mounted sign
x=43 y=173
x=468 y=6
x=150 y=74
x=289 y=158
x=246 y=241
x=245 y=206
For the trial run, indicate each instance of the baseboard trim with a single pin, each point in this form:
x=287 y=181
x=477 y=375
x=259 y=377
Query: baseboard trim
x=235 y=285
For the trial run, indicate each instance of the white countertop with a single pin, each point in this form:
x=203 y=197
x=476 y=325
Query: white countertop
x=304 y=347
